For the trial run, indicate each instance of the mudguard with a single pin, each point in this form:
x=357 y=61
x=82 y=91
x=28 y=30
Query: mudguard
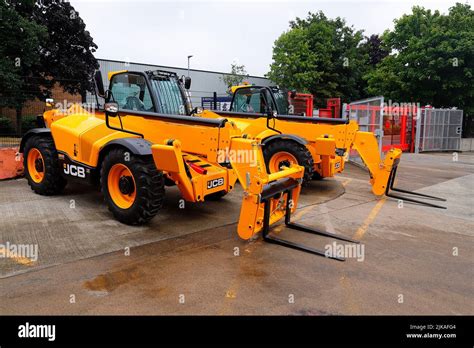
x=296 y=138
x=32 y=132
x=137 y=146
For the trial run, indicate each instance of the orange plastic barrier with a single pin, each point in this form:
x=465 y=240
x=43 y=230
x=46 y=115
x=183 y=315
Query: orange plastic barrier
x=11 y=165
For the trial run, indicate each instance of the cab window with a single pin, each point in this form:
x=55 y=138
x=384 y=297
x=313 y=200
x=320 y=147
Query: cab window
x=131 y=92
x=281 y=98
x=169 y=96
x=249 y=100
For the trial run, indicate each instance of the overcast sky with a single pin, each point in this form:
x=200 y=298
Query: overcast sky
x=218 y=33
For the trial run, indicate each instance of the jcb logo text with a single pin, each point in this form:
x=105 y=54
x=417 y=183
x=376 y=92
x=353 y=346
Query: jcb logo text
x=71 y=169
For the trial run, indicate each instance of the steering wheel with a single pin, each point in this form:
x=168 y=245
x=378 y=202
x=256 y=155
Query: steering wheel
x=134 y=103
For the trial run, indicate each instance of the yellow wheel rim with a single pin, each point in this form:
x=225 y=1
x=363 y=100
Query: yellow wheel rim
x=35 y=164
x=121 y=185
x=280 y=159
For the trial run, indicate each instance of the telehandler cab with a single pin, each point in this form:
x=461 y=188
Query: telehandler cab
x=143 y=136
x=317 y=144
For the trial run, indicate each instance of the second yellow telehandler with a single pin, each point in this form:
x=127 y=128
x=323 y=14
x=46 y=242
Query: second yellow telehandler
x=318 y=144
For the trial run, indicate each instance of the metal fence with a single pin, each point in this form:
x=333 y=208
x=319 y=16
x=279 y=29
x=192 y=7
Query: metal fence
x=216 y=102
x=369 y=115
x=468 y=126
x=439 y=130
x=399 y=127
x=11 y=129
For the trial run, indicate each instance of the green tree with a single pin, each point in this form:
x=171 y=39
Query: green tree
x=19 y=58
x=321 y=56
x=68 y=53
x=375 y=49
x=50 y=45
x=431 y=60
x=236 y=76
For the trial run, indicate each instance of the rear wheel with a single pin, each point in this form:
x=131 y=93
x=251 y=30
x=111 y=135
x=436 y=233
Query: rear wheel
x=40 y=160
x=283 y=153
x=133 y=189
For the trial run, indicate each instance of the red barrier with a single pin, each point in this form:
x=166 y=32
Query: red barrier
x=302 y=103
x=333 y=108
x=11 y=165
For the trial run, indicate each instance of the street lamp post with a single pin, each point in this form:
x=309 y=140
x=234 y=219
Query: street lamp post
x=189 y=57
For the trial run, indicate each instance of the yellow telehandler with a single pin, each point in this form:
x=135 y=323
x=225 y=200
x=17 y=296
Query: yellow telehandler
x=317 y=144
x=143 y=137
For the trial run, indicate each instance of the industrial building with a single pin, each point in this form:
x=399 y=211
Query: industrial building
x=204 y=82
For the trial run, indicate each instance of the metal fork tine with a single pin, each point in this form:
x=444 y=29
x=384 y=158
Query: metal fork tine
x=391 y=181
x=296 y=246
x=418 y=194
x=299 y=227
x=276 y=240
x=408 y=199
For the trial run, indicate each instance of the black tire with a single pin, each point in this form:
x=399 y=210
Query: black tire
x=148 y=186
x=215 y=196
x=317 y=176
x=300 y=152
x=53 y=182
x=169 y=182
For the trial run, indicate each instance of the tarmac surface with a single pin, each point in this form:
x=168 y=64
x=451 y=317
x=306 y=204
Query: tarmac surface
x=413 y=259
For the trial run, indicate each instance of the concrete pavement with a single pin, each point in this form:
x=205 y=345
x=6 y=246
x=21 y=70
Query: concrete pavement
x=417 y=260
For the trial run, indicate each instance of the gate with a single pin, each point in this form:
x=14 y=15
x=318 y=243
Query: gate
x=399 y=121
x=369 y=115
x=439 y=130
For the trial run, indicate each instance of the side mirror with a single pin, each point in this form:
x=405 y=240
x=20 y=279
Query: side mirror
x=187 y=82
x=99 y=84
x=49 y=102
x=111 y=109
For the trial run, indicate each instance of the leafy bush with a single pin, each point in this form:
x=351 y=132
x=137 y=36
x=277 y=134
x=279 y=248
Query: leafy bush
x=6 y=126
x=27 y=123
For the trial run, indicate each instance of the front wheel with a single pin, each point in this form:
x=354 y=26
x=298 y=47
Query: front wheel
x=283 y=153
x=40 y=160
x=132 y=187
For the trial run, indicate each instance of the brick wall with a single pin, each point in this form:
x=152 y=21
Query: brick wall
x=35 y=107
